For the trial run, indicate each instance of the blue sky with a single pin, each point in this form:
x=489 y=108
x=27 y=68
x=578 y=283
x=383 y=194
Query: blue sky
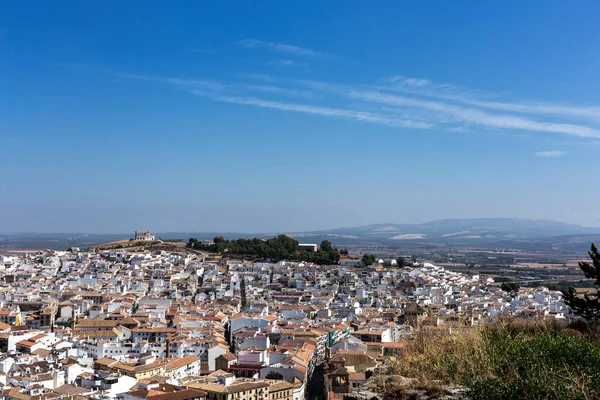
x=282 y=116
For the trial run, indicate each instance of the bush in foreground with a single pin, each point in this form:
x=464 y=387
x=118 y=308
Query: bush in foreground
x=510 y=360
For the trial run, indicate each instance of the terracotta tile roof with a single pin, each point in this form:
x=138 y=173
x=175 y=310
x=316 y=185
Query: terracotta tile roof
x=180 y=362
x=96 y=323
x=186 y=394
x=357 y=376
x=232 y=388
x=354 y=358
x=229 y=356
x=280 y=385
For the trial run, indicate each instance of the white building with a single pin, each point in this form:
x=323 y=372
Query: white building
x=144 y=235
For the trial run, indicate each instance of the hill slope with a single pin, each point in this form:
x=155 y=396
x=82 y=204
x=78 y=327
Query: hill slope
x=448 y=229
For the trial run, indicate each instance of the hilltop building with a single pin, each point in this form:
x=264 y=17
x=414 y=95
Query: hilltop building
x=308 y=247
x=144 y=235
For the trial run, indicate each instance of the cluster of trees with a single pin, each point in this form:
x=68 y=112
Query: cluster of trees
x=274 y=375
x=326 y=254
x=368 y=259
x=510 y=286
x=281 y=247
x=565 y=286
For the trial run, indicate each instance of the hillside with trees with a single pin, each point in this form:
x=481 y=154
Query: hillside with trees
x=278 y=248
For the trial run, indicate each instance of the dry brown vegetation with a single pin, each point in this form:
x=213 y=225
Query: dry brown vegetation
x=510 y=360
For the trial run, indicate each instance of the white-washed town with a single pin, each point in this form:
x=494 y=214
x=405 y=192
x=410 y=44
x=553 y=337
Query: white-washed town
x=155 y=324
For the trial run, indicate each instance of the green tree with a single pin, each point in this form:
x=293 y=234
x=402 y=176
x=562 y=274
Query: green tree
x=587 y=306
x=243 y=293
x=561 y=286
x=400 y=262
x=274 y=375
x=510 y=286
x=326 y=245
x=368 y=259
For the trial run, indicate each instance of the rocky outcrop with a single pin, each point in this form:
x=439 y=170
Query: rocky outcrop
x=388 y=387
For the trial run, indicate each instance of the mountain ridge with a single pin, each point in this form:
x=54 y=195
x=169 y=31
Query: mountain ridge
x=505 y=227
x=502 y=232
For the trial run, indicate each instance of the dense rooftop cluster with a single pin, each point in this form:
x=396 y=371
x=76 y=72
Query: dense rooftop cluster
x=164 y=325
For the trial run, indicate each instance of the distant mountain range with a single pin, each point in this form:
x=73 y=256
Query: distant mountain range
x=452 y=229
x=487 y=232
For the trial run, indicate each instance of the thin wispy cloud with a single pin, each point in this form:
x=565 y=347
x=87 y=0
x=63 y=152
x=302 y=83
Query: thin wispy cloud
x=553 y=153
x=457 y=94
x=275 y=90
x=279 y=47
x=217 y=91
x=211 y=86
x=326 y=111
x=183 y=83
x=283 y=48
x=479 y=117
x=450 y=108
x=413 y=82
x=288 y=63
x=567 y=111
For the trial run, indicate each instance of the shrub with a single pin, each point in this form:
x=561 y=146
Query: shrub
x=510 y=360
x=274 y=375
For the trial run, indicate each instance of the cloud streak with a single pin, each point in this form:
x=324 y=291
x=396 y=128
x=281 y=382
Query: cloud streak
x=422 y=104
x=276 y=90
x=553 y=153
x=279 y=47
x=283 y=48
x=183 y=83
x=360 y=116
x=411 y=82
x=289 y=63
x=474 y=116
x=457 y=94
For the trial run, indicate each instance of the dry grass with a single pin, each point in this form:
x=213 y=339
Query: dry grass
x=433 y=389
x=398 y=387
x=588 y=290
x=114 y=244
x=513 y=359
x=426 y=357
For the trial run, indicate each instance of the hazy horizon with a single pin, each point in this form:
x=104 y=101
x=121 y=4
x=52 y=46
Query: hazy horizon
x=247 y=118
x=84 y=232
